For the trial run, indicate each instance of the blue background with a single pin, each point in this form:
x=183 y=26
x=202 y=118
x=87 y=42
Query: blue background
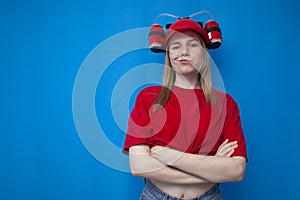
x=43 y=44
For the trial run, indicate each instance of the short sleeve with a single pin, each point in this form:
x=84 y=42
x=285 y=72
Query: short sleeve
x=138 y=131
x=233 y=127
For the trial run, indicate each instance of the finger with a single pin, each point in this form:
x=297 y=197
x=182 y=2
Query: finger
x=220 y=149
x=229 y=153
x=230 y=145
x=157 y=149
x=222 y=152
x=225 y=149
x=224 y=143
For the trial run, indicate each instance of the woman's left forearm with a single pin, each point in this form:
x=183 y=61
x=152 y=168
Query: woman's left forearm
x=215 y=169
x=212 y=168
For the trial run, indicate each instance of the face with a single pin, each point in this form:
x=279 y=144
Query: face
x=185 y=53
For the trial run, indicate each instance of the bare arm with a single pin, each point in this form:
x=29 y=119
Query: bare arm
x=215 y=169
x=144 y=165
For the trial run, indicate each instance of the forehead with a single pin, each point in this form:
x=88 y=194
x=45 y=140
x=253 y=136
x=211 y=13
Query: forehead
x=183 y=36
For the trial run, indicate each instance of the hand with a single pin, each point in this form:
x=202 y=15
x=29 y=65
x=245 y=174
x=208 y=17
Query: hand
x=226 y=149
x=165 y=155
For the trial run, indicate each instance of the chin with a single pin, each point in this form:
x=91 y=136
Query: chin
x=187 y=71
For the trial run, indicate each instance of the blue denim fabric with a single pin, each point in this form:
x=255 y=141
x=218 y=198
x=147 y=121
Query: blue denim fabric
x=151 y=192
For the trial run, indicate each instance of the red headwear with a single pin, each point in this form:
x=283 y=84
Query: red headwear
x=186 y=25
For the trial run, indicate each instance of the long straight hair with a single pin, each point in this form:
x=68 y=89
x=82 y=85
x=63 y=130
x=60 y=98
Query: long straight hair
x=169 y=77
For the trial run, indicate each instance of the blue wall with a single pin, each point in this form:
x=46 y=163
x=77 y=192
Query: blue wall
x=43 y=47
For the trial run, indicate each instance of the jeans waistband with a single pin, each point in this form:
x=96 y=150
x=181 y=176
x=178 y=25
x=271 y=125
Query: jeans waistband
x=159 y=194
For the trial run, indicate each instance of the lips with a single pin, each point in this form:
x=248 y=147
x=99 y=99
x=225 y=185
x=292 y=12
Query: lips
x=184 y=61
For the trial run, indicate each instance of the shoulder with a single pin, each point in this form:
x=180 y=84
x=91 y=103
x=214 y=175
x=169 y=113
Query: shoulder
x=226 y=98
x=149 y=94
x=151 y=89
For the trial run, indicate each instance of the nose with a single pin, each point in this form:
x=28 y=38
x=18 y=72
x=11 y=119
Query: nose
x=185 y=51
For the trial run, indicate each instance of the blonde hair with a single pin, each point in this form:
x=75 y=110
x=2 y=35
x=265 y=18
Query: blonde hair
x=204 y=79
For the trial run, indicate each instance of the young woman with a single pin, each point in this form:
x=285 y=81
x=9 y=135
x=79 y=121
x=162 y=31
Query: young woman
x=185 y=137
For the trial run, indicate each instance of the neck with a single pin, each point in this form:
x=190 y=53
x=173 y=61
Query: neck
x=188 y=82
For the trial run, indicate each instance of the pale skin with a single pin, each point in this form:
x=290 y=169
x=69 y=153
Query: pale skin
x=179 y=174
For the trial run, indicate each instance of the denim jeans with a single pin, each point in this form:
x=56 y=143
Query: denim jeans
x=151 y=192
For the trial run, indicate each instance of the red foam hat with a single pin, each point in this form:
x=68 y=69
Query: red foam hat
x=186 y=25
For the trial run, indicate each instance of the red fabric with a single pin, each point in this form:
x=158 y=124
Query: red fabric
x=186 y=123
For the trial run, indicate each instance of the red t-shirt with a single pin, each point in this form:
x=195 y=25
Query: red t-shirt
x=186 y=122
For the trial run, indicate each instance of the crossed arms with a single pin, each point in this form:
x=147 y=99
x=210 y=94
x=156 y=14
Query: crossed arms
x=169 y=165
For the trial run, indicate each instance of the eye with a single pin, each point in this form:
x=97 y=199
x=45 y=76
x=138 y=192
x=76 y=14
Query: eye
x=175 y=47
x=194 y=44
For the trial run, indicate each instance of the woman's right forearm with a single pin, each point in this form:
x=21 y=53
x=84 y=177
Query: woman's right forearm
x=144 y=165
